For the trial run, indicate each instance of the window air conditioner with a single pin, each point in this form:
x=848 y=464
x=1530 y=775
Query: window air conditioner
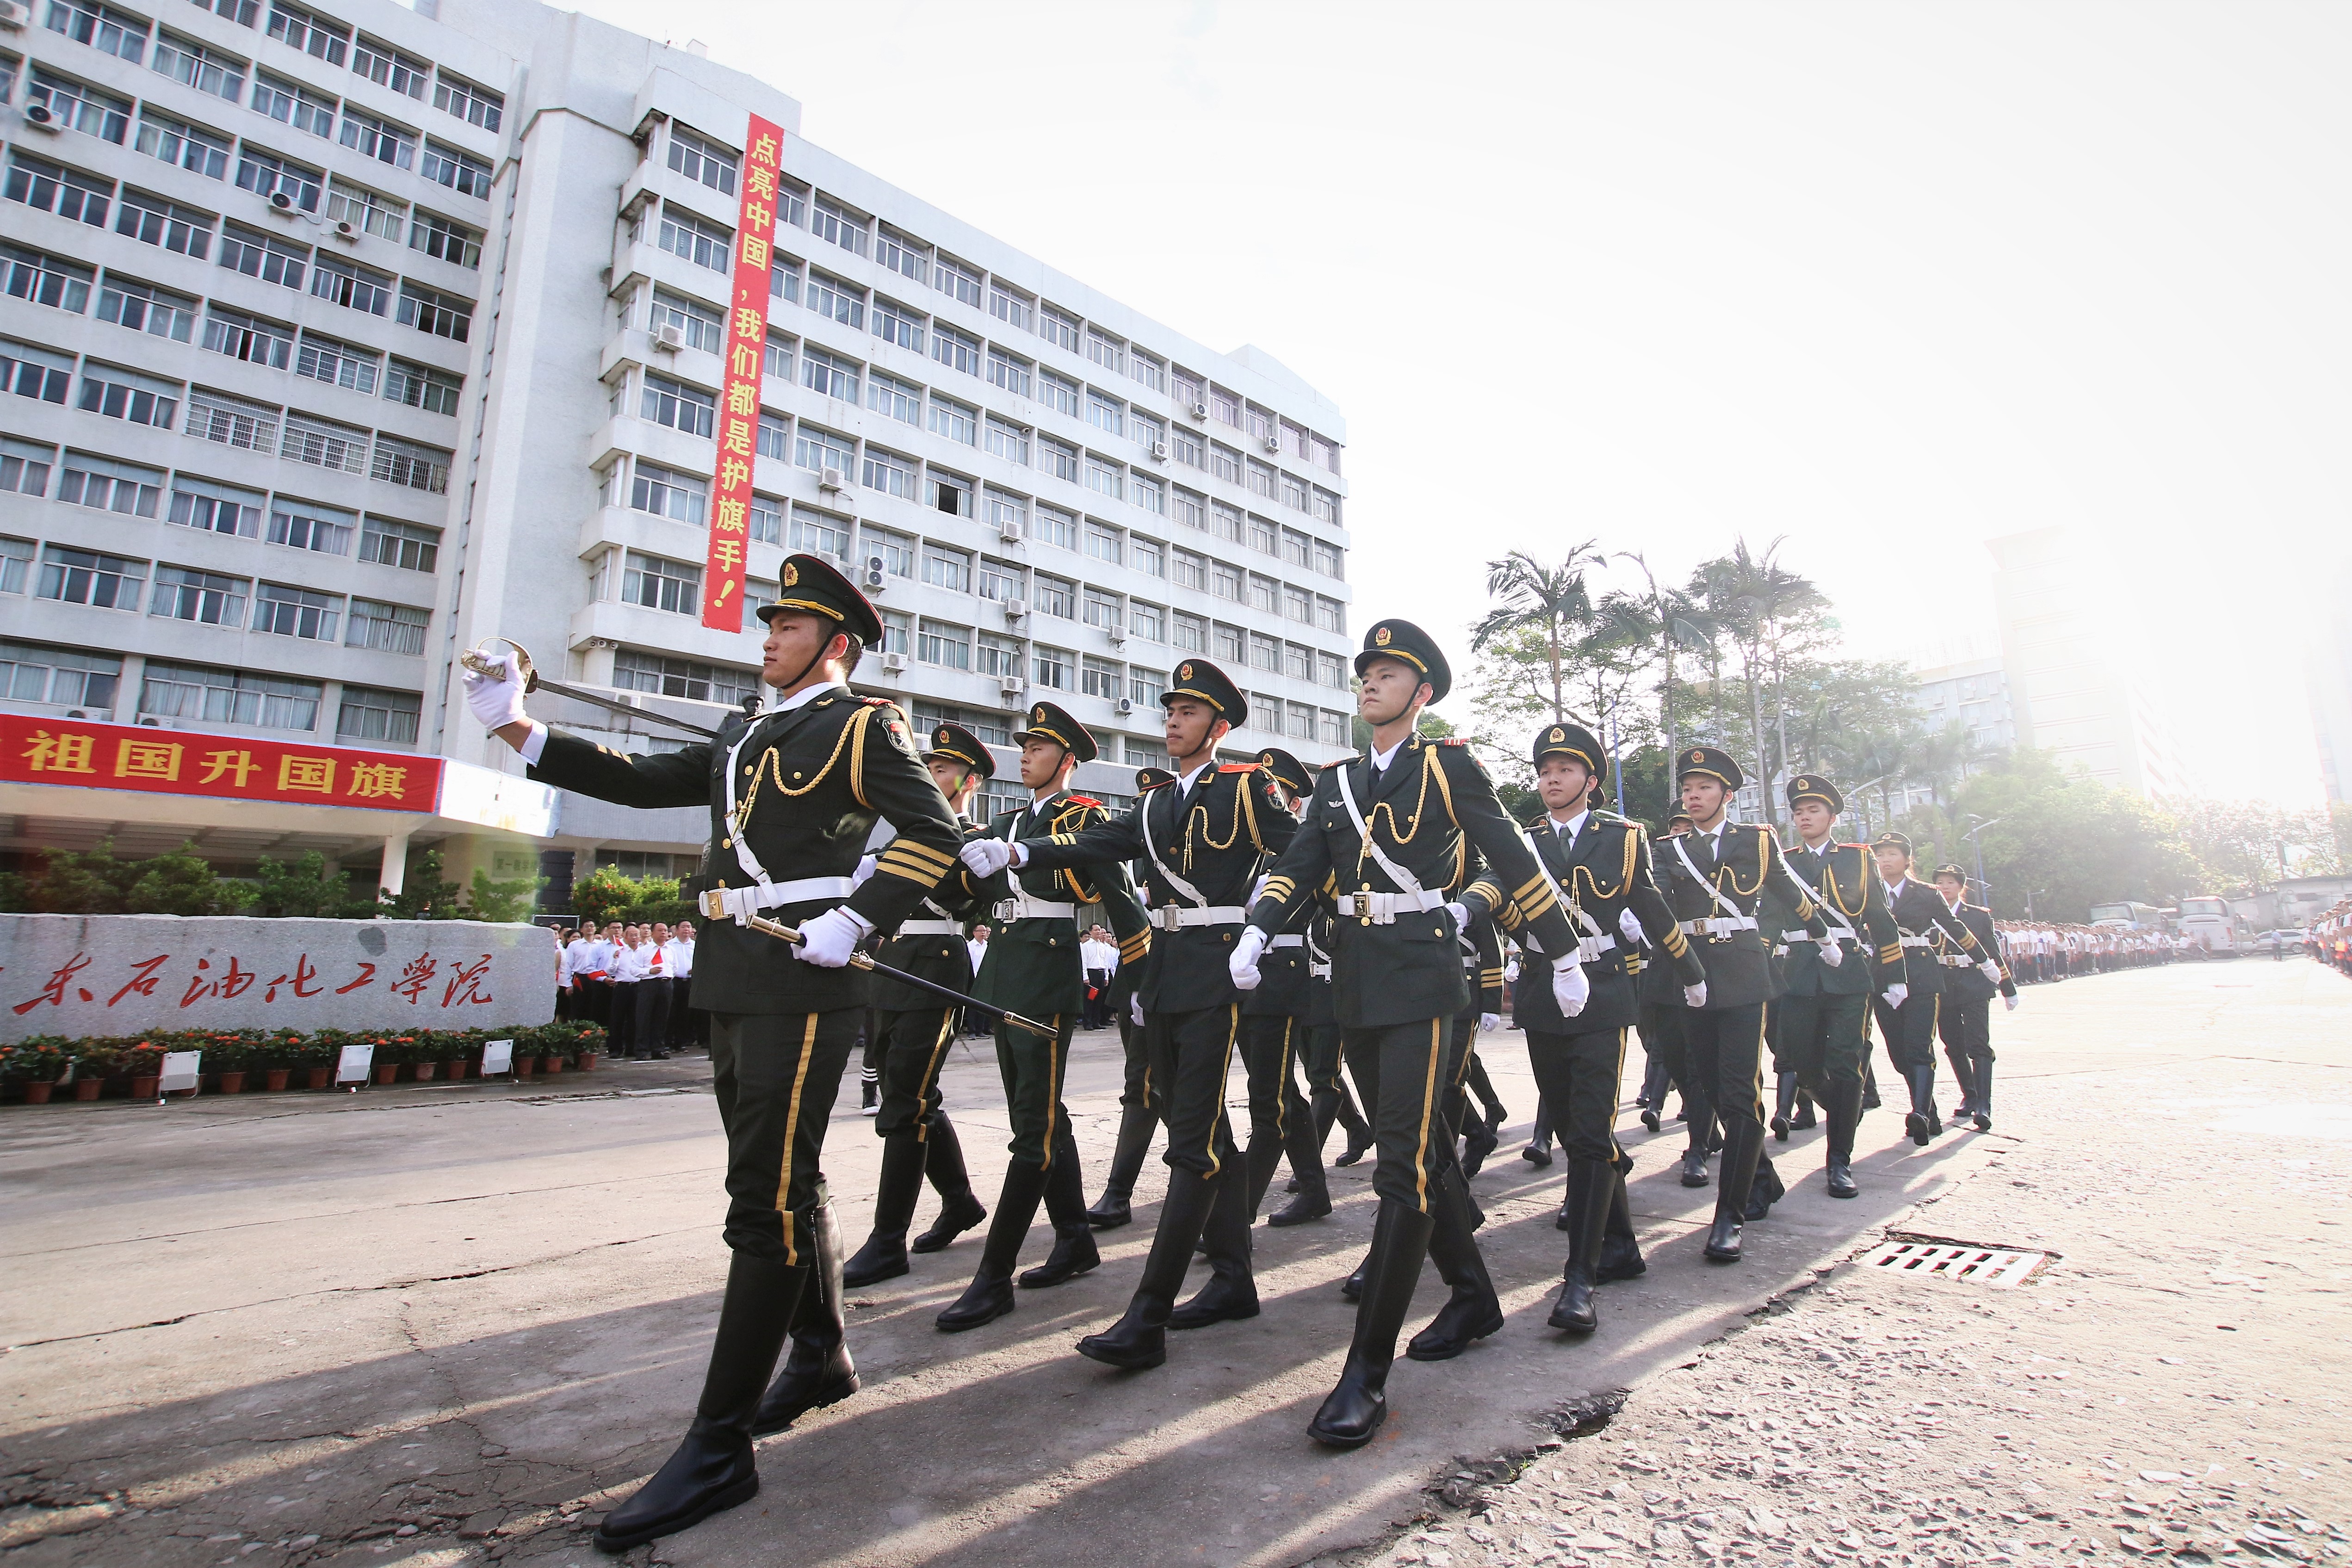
x=1200 y=410
x=281 y=202
x=1160 y=451
x=893 y=663
x=669 y=337
x=347 y=230
x=1274 y=443
x=1126 y=706
x=40 y=117
x=14 y=17
x=1015 y=608
x=830 y=479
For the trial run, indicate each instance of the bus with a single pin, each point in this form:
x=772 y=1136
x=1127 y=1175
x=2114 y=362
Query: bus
x=2212 y=924
x=2124 y=916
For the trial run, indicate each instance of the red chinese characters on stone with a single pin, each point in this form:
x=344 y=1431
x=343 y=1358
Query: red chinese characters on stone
x=142 y=979
x=54 y=993
x=414 y=977
x=367 y=973
x=304 y=972
x=230 y=984
x=464 y=985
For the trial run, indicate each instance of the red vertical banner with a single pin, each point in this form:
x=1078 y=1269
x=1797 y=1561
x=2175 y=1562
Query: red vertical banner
x=738 y=391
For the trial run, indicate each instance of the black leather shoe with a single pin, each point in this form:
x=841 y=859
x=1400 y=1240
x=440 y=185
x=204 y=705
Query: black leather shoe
x=1216 y=1303
x=1780 y=1128
x=956 y=1217
x=1806 y=1119
x=1764 y=1192
x=1934 y=1123
x=1109 y=1212
x=1351 y=1412
x=1074 y=1254
x=1841 y=1180
x=712 y=1470
x=1355 y=1150
x=1561 y=1221
x=1477 y=1142
x=984 y=1300
x=808 y=1382
x=1130 y=1345
x=1352 y=1287
x=1650 y=1119
x=1537 y=1154
x=1307 y=1206
x=1694 y=1168
x=1459 y=1323
x=1984 y=1121
x=1916 y=1126
x=882 y=1258
x=1620 y=1259
x=1870 y=1099
x=1573 y=1313
x=1723 y=1239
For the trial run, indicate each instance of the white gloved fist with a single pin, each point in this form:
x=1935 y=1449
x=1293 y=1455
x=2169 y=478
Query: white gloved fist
x=1630 y=928
x=986 y=857
x=1243 y=966
x=828 y=940
x=1135 y=1010
x=864 y=869
x=1896 y=995
x=1569 y=989
x=1694 y=996
x=1461 y=915
x=1832 y=954
x=2013 y=1000
x=496 y=700
x=1489 y=1022
x=1990 y=970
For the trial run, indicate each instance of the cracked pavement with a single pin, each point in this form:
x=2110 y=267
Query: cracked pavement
x=444 y=1324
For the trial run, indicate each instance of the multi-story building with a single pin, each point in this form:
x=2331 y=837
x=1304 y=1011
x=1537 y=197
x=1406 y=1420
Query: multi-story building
x=337 y=337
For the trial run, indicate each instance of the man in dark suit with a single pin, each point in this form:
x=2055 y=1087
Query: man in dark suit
x=1966 y=1023
x=1930 y=932
x=797 y=790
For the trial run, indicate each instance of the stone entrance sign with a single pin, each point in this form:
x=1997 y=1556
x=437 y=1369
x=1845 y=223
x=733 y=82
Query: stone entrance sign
x=126 y=974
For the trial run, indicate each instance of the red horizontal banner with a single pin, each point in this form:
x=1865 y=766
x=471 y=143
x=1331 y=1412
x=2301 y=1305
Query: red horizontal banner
x=35 y=750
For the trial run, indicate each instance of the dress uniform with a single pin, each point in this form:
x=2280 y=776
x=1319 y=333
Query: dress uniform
x=915 y=1027
x=1598 y=865
x=1032 y=966
x=1821 y=1034
x=1930 y=933
x=1328 y=1096
x=1203 y=837
x=1384 y=835
x=1481 y=947
x=797 y=790
x=1965 y=1020
x=1273 y=1042
x=1717 y=882
x=1136 y=1119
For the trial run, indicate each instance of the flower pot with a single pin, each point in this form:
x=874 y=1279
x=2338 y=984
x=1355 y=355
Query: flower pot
x=387 y=1072
x=425 y=1071
x=588 y=1059
x=37 y=1093
x=317 y=1077
x=273 y=1079
x=550 y=1065
x=232 y=1083
x=89 y=1088
x=454 y=1070
x=143 y=1087
x=524 y=1066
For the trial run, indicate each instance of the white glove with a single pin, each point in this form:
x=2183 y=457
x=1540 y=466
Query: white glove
x=1896 y=994
x=1630 y=928
x=1569 y=989
x=2013 y=1001
x=1461 y=916
x=986 y=857
x=1990 y=970
x=1831 y=954
x=1243 y=966
x=828 y=940
x=496 y=700
x=864 y=869
x=1694 y=996
x=1489 y=1022
x=1135 y=1010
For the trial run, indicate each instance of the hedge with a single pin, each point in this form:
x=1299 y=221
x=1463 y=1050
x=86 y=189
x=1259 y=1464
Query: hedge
x=45 y=1057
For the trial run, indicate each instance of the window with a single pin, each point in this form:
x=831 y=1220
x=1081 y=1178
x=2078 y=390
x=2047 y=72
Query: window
x=1329 y=560
x=1058 y=327
x=1106 y=350
x=998 y=580
x=999 y=656
x=295 y=105
x=1106 y=543
x=767 y=514
x=1106 y=414
x=259 y=256
x=1140 y=755
x=1265 y=593
x=102 y=27
x=241 y=11
x=122 y=394
x=1192 y=510
x=896 y=551
x=387 y=628
x=305 y=525
x=174 y=142
x=298 y=29
x=438 y=238
x=1326 y=507
x=837 y=224
x=1058 y=392
x=1148 y=492
x=1009 y=441
x=897 y=253
x=901 y=401
x=777 y=361
x=1324 y=453
x=895 y=323
x=1297 y=549
x=147 y=309
x=379 y=139
x=1302 y=721
x=1104 y=610
x=1192 y=569
x=1330 y=614
x=182 y=593
x=1106 y=478
x=1056 y=526
x=705 y=162
x=45 y=279
x=1229 y=643
x=951 y=493
x=365 y=210
x=949 y=275
x=1050 y=668
x=1150 y=434
x=339 y=282
x=1224 y=407
x=1297 y=663
x=1259 y=423
x=955 y=421
x=337 y=363
x=1226 y=580
x=835 y=300
x=62 y=677
x=1191 y=634
x=1058 y=458
x=1008 y=514
x=791 y=203
x=474 y=105
x=685 y=409
x=412 y=546
x=1294 y=492
x=785 y=279
x=1008 y=371
x=1297 y=604
x=35 y=372
x=461 y=171
x=1224 y=462
x=680 y=498
x=660 y=584
x=387 y=67
x=943 y=644
x=636 y=672
x=957 y=351
x=280 y=610
x=688 y=237
x=1265 y=652
x=889 y=473
x=1100 y=678
x=232 y=422
x=1262 y=534
x=700 y=325
x=52 y=188
x=820 y=533
x=1331 y=670
x=830 y=377
x=255 y=339
x=946 y=568
x=367 y=714
x=1146 y=622
x=82 y=577
x=151 y=220
x=1261 y=479
x=24 y=468
x=818 y=450
x=1054 y=596
x=76 y=106
x=229 y=697
x=267 y=174
x=1150 y=370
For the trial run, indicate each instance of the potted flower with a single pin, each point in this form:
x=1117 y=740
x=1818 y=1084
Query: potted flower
x=36 y=1063
x=227 y=1054
x=144 y=1062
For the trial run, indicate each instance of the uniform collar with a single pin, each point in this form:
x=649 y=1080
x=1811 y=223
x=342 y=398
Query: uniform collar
x=806 y=696
x=1569 y=829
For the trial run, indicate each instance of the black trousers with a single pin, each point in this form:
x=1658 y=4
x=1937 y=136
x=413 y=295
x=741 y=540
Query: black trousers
x=914 y=1048
x=1965 y=1028
x=1822 y=1039
x=1667 y=1041
x=624 y=1024
x=1909 y=1031
x=1322 y=1057
x=1270 y=1045
x=1098 y=1008
x=1405 y=1074
x=1191 y=1054
x=1135 y=1078
x=1578 y=1075
x=1033 y=1067
x=653 y=1014
x=776 y=1075
x=1726 y=1054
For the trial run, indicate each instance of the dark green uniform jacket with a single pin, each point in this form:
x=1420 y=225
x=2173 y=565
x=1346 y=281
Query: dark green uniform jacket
x=1970 y=981
x=1930 y=931
x=810 y=783
x=1604 y=872
x=944 y=956
x=1032 y=965
x=1843 y=878
x=1738 y=966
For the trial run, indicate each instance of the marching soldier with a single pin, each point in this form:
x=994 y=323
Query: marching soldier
x=1273 y=1039
x=1136 y=1119
x=1823 y=1021
x=1718 y=875
x=796 y=788
x=1387 y=834
x=1930 y=933
x=1966 y=1019
x=1203 y=835
x=915 y=1027
x=1327 y=1087
x=1598 y=864
x=1032 y=966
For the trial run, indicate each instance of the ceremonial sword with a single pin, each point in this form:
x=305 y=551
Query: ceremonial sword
x=482 y=663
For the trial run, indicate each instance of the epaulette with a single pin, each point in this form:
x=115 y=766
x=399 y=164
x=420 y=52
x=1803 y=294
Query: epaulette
x=1450 y=740
x=1237 y=767
x=1147 y=788
x=879 y=702
x=1081 y=800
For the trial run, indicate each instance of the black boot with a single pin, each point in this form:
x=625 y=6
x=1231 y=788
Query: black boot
x=1843 y=1099
x=1478 y=1141
x=1963 y=1074
x=1805 y=1120
x=990 y=1294
x=1314 y=1199
x=1870 y=1101
x=1231 y=1294
x=1139 y=1341
x=1589 y=1183
x=1984 y=1095
x=884 y=1256
x=1359 y=1131
x=1352 y=1287
x=1922 y=1124
x=1074 y=1236
x=1743 y=1144
x=1135 y=1125
x=1763 y=1192
x=1539 y=1150
x=1621 y=1250
x=943 y=1164
x=1474 y=1311
x=713 y=1467
x=1355 y=1408
x=817 y=1370
x=1784 y=1100
x=1694 y=1165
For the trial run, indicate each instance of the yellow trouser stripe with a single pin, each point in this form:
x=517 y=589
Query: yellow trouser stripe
x=792 y=1136
x=1428 y=1111
x=1052 y=1083
x=932 y=1071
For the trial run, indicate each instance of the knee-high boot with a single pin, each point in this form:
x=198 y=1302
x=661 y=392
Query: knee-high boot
x=817 y=1370
x=1964 y=1074
x=1743 y=1144
x=1539 y=1150
x=1474 y=1311
x=1984 y=1095
x=1588 y=1184
x=1356 y=1405
x=1784 y=1087
x=1139 y=1341
x=1654 y=1080
x=1074 y=1236
x=1336 y=1102
x=990 y=1294
x=1306 y=1152
x=1922 y=1123
x=884 y=1256
x=1135 y=1126
x=1621 y=1249
x=959 y=1210
x=713 y=1467
x=1232 y=1289
x=1842 y=1101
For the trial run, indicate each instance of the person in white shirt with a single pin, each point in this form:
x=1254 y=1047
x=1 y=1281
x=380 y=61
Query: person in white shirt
x=627 y=967
x=976 y=1024
x=1100 y=958
x=686 y=1020
x=653 y=994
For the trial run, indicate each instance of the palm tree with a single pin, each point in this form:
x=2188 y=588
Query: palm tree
x=1678 y=622
x=1764 y=594
x=1551 y=601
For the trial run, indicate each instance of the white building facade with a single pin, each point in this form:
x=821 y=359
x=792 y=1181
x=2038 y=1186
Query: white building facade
x=339 y=338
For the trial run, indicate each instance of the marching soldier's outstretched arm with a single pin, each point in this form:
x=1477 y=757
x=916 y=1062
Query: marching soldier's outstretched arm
x=1656 y=916
x=1885 y=938
x=892 y=782
x=650 y=782
x=1109 y=882
x=1301 y=874
x=1116 y=839
x=1470 y=797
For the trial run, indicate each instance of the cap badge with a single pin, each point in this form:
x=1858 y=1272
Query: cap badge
x=1038 y=717
x=943 y=737
x=792 y=575
x=1699 y=756
x=1183 y=672
x=1381 y=637
x=1559 y=736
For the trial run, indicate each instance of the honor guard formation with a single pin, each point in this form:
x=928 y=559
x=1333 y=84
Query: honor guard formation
x=1363 y=914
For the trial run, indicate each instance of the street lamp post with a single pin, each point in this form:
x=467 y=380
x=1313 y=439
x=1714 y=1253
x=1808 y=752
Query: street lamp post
x=1980 y=825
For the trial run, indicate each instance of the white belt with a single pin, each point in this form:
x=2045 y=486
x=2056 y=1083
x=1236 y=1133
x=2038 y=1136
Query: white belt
x=1293 y=940
x=1590 y=948
x=931 y=928
x=1914 y=942
x=1315 y=971
x=1169 y=916
x=1721 y=926
x=1957 y=963
x=1382 y=908
x=739 y=903
x=1021 y=907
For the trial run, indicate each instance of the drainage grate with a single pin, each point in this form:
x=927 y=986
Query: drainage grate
x=1999 y=1267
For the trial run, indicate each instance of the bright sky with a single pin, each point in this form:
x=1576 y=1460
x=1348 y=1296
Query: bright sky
x=1888 y=280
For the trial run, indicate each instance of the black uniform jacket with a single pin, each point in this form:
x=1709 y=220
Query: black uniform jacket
x=943 y=956
x=1922 y=912
x=1970 y=982
x=1481 y=948
x=1431 y=808
x=1843 y=878
x=1215 y=838
x=1605 y=871
x=1032 y=965
x=1738 y=965
x=810 y=783
x=1320 y=1013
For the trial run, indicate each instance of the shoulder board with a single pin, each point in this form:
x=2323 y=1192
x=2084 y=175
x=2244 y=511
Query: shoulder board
x=1849 y=846
x=879 y=702
x=1237 y=767
x=1450 y=740
x=1081 y=800
x=1161 y=784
